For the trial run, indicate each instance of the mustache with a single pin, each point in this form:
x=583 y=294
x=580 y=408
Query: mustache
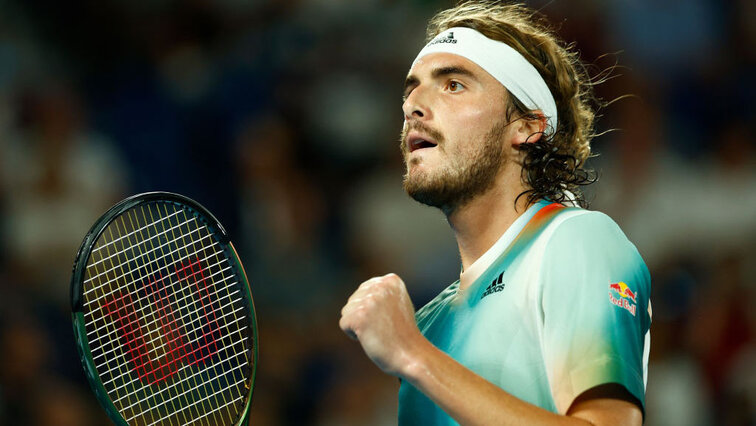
x=434 y=134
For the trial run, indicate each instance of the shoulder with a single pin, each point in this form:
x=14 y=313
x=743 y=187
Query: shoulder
x=589 y=237
x=577 y=219
x=578 y=239
x=580 y=228
x=584 y=256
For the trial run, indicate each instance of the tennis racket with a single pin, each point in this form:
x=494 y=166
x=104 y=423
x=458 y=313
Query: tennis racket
x=163 y=315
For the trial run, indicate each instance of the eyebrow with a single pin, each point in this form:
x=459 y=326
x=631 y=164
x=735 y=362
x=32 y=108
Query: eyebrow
x=436 y=73
x=443 y=71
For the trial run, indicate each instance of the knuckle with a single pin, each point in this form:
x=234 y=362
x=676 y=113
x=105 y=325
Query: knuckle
x=381 y=292
x=369 y=283
x=370 y=303
x=394 y=280
x=386 y=292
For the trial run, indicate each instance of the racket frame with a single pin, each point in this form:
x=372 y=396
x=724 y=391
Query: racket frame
x=77 y=279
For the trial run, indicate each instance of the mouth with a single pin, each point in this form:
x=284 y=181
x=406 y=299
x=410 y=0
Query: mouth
x=416 y=141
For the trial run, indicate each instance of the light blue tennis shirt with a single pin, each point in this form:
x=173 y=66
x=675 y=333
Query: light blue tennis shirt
x=558 y=305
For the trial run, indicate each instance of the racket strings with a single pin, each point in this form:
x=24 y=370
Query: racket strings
x=173 y=408
x=148 y=264
x=166 y=319
x=129 y=234
x=222 y=377
x=152 y=323
x=95 y=333
x=241 y=328
x=133 y=233
x=168 y=393
x=176 y=383
x=123 y=367
x=101 y=288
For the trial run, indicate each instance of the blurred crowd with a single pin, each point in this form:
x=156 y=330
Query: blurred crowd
x=282 y=117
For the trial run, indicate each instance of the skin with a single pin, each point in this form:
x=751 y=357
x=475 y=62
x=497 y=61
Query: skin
x=449 y=96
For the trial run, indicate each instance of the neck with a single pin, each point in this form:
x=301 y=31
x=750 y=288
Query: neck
x=478 y=224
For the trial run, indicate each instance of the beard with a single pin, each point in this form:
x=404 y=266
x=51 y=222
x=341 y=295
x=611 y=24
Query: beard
x=465 y=176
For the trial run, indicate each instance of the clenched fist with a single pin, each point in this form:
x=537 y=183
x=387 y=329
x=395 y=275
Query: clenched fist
x=380 y=315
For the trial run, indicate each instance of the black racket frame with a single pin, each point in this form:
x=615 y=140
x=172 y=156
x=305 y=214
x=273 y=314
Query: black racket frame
x=79 y=269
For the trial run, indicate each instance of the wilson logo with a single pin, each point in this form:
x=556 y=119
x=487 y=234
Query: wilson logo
x=157 y=350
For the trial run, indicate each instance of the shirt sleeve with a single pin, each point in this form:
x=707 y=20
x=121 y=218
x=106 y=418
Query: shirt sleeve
x=595 y=309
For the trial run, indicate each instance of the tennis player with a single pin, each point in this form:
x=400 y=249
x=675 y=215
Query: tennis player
x=549 y=320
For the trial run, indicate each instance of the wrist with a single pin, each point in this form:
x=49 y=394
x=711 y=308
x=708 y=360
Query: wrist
x=415 y=363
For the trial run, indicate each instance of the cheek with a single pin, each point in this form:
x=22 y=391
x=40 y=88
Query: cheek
x=466 y=135
x=473 y=120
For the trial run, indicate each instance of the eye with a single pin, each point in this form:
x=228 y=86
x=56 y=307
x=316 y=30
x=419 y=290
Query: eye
x=455 y=86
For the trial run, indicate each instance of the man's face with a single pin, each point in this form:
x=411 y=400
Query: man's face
x=454 y=131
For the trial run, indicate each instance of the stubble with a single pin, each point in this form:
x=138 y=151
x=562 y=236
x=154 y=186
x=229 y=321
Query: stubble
x=465 y=175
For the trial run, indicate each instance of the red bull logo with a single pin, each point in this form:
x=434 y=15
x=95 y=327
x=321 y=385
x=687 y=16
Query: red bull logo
x=626 y=295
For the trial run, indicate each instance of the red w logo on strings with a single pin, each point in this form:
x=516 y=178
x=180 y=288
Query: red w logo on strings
x=179 y=349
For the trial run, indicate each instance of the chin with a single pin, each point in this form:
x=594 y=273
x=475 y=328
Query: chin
x=426 y=189
x=420 y=166
x=418 y=176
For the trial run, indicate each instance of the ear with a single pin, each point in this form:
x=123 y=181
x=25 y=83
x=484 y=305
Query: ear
x=529 y=130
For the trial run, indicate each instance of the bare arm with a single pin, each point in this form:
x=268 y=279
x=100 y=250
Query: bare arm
x=381 y=317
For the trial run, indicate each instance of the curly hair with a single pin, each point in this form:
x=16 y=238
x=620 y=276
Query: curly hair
x=554 y=166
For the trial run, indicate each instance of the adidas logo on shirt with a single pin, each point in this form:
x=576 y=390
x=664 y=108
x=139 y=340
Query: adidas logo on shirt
x=496 y=286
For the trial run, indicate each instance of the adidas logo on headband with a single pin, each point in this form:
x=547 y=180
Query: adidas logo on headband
x=448 y=39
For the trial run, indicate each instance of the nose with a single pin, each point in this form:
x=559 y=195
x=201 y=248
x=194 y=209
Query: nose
x=416 y=105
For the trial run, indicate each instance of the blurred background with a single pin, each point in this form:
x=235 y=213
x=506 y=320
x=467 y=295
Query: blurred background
x=282 y=117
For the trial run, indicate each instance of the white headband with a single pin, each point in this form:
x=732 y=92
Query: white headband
x=504 y=63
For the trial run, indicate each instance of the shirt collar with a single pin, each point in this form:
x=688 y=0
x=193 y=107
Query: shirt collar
x=472 y=273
